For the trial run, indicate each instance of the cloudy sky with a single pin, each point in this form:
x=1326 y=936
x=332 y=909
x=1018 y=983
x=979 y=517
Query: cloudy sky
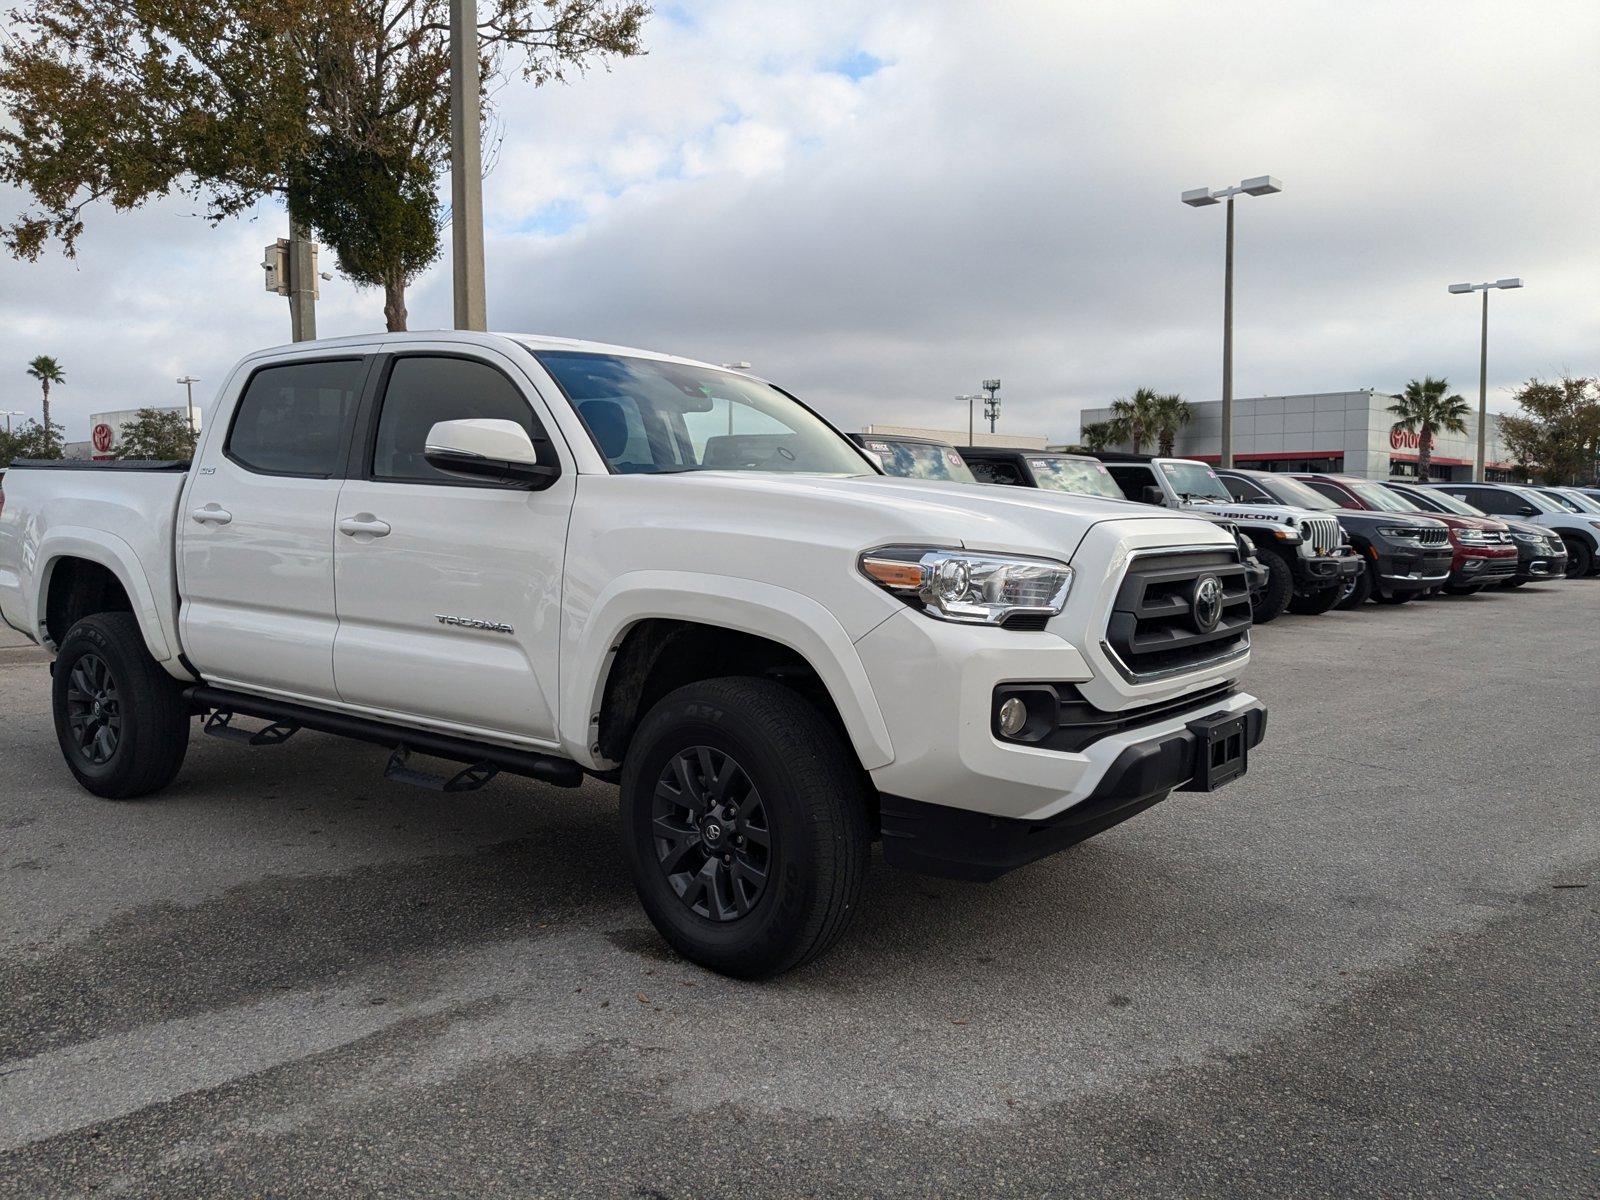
x=880 y=204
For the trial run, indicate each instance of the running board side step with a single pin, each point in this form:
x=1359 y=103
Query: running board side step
x=220 y=724
x=479 y=756
x=468 y=779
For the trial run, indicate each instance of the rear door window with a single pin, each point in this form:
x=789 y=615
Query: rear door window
x=293 y=418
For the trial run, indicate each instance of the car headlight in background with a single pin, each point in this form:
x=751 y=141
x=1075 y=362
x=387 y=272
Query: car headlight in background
x=1398 y=534
x=973 y=588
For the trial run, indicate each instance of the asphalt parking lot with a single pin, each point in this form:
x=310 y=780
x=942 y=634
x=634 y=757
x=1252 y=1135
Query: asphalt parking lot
x=1370 y=967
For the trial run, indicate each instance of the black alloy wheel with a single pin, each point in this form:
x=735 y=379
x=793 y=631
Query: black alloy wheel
x=94 y=709
x=713 y=840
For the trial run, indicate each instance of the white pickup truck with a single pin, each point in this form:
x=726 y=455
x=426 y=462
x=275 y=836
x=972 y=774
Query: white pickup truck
x=558 y=558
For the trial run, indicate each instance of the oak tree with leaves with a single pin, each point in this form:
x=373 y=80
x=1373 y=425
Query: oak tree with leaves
x=156 y=433
x=340 y=106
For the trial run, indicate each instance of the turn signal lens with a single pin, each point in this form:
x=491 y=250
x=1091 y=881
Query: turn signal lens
x=896 y=576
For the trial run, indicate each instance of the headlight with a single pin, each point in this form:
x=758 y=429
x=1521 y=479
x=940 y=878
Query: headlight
x=1472 y=537
x=1533 y=539
x=975 y=589
x=1399 y=534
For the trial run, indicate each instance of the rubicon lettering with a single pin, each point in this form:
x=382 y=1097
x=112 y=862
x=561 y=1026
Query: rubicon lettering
x=472 y=623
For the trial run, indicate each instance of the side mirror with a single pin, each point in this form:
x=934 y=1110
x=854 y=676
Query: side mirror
x=1151 y=494
x=1527 y=510
x=493 y=449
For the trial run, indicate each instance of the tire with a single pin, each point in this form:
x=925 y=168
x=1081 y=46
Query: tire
x=1513 y=583
x=1314 y=604
x=1393 y=597
x=1580 y=559
x=120 y=719
x=812 y=809
x=1267 y=604
x=1360 y=591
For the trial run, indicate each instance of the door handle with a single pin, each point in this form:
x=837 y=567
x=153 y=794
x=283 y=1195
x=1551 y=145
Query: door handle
x=211 y=514
x=364 y=525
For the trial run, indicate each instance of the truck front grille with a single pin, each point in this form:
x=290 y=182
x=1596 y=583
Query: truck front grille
x=1160 y=624
x=1321 y=533
x=1434 y=537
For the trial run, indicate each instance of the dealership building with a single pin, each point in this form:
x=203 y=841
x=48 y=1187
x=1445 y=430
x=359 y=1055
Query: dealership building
x=1349 y=433
x=105 y=430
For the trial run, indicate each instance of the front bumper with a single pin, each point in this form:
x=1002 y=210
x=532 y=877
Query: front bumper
x=1408 y=569
x=1537 y=564
x=1475 y=568
x=1330 y=570
x=957 y=843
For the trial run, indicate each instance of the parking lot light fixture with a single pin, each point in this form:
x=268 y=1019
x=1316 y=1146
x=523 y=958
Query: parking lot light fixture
x=1464 y=289
x=1258 y=185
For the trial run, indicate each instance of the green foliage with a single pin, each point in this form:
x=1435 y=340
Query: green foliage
x=1145 y=415
x=1097 y=436
x=1424 y=409
x=47 y=371
x=156 y=433
x=30 y=441
x=1556 y=436
x=228 y=101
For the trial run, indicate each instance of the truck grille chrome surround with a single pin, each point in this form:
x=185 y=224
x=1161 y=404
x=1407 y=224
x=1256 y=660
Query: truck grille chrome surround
x=1434 y=537
x=1177 y=611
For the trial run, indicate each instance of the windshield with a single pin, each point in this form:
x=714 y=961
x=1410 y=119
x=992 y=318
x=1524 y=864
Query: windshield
x=1080 y=476
x=1576 y=501
x=1381 y=498
x=1295 y=493
x=652 y=418
x=1195 y=481
x=920 y=460
x=1448 y=503
x=1564 y=501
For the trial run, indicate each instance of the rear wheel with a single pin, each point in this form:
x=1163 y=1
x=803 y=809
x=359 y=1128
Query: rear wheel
x=1356 y=591
x=744 y=825
x=1580 y=559
x=1315 y=603
x=1271 y=600
x=120 y=719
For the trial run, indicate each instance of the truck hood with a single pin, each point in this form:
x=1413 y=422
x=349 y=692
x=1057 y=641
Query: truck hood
x=1278 y=514
x=885 y=508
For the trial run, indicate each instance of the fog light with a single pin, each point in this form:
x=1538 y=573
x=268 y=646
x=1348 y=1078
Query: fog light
x=1013 y=716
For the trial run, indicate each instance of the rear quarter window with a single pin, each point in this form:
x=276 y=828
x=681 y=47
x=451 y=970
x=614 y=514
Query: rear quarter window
x=293 y=418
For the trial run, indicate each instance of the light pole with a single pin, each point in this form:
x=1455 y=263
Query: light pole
x=1260 y=185
x=15 y=412
x=991 y=403
x=969 y=400
x=1461 y=289
x=466 y=169
x=188 y=382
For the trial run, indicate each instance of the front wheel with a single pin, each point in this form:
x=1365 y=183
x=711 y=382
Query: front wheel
x=744 y=823
x=1267 y=604
x=1357 y=590
x=1580 y=559
x=120 y=719
x=1394 y=597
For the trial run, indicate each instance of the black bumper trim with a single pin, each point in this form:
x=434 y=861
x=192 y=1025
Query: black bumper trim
x=955 y=843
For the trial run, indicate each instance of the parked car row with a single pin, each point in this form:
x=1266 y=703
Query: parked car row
x=1314 y=541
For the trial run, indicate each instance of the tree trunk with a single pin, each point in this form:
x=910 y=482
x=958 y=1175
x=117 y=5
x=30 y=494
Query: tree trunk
x=394 y=301
x=1424 y=453
x=45 y=384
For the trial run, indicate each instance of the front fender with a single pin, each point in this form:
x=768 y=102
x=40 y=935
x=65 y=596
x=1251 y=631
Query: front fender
x=117 y=556
x=761 y=609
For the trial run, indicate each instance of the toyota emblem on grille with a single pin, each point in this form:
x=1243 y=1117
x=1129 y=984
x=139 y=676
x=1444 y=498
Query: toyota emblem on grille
x=1206 y=608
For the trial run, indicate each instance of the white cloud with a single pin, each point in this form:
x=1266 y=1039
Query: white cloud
x=999 y=196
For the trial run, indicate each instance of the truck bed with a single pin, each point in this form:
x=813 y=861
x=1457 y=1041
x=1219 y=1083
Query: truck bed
x=122 y=515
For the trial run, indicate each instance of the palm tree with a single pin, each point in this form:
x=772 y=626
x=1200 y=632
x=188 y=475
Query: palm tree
x=1173 y=412
x=47 y=371
x=1135 y=418
x=1423 y=409
x=1097 y=436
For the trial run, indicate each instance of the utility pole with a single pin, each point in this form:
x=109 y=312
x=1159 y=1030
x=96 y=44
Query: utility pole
x=302 y=284
x=466 y=168
x=188 y=382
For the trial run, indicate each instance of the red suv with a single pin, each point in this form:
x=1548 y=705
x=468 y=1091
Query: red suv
x=1485 y=552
